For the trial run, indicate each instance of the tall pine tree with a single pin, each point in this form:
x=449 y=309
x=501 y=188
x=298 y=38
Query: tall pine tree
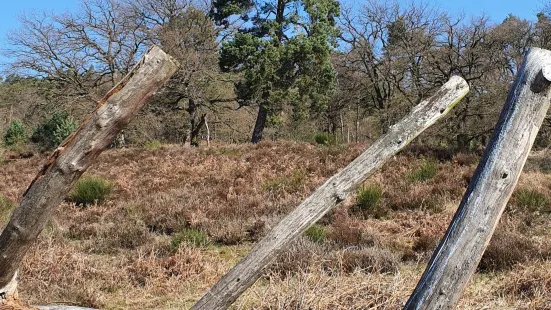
x=283 y=53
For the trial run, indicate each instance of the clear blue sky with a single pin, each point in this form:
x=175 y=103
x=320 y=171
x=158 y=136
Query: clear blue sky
x=12 y=8
x=496 y=9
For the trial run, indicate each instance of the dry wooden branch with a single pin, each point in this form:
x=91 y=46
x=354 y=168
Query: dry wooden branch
x=75 y=155
x=335 y=190
x=460 y=251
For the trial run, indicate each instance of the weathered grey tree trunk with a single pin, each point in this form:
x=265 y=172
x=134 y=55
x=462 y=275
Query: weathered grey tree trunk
x=335 y=190
x=73 y=157
x=460 y=251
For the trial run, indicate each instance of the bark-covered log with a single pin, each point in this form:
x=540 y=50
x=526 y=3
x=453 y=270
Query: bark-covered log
x=335 y=190
x=460 y=251
x=75 y=155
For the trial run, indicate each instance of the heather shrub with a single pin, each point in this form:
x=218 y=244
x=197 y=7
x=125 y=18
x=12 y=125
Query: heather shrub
x=298 y=258
x=54 y=130
x=190 y=236
x=371 y=259
x=316 y=233
x=506 y=249
x=426 y=171
x=89 y=190
x=16 y=134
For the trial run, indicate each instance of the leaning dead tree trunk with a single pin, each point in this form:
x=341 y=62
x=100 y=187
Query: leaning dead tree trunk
x=74 y=156
x=335 y=190
x=459 y=252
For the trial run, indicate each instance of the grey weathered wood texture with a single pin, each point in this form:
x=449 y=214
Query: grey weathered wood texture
x=459 y=252
x=76 y=154
x=335 y=190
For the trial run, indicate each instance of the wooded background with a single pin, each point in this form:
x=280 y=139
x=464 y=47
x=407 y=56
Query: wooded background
x=252 y=70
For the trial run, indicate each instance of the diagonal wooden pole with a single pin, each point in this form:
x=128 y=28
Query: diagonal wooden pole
x=459 y=252
x=335 y=190
x=73 y=158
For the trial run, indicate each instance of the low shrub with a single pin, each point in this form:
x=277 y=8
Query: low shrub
x=54 y=130
x=153 y=145
x=368 y=201
x=532 y=200
x=506 y=249
x=191 y=236
x=426 y=171
x=372 y=259
x=530 y=283
x=89 y=190
x=16 y=134
x=324 y=138
x=300 y=257
x=316 y=233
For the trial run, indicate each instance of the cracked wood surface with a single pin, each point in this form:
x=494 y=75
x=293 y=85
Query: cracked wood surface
x=333 y=191
x=459 y=252
x=73 y=157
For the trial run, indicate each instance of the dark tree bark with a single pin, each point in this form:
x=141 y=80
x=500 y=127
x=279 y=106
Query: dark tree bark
x=259 y=124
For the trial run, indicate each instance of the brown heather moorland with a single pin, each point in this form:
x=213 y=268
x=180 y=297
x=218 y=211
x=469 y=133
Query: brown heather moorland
x=179 y=218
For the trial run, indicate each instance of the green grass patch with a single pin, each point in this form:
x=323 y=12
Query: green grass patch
x=89 y=190
x=532 y=200
x=426 y=171
x=368 y=201
x=316 y=233
x=190 y=236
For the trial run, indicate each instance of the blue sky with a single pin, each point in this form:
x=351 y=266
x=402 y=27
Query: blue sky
x=497 y=10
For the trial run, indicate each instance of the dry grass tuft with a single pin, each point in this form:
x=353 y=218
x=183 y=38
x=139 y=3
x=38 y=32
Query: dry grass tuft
x=529 y=284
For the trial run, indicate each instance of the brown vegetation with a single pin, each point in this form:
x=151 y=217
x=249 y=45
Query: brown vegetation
x=122 y=253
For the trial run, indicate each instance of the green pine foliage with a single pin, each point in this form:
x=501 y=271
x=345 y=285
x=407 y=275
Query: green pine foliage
x=16 y=134
x=54 y=130
x=284 y=60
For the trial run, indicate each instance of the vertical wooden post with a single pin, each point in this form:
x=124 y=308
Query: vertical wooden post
x=73 y=157
x=460 y=251
x=333 y=191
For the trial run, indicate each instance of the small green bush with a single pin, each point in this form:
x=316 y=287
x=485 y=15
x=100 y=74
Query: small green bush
x=6 y=207
x=153 y=145
x=190 y=236
x=54 y=130
x=425 y=172
x=324 y=138
x=316 y=233
x=16 y=134
x=368 y=198
x=89 y=190
x=532 y=200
